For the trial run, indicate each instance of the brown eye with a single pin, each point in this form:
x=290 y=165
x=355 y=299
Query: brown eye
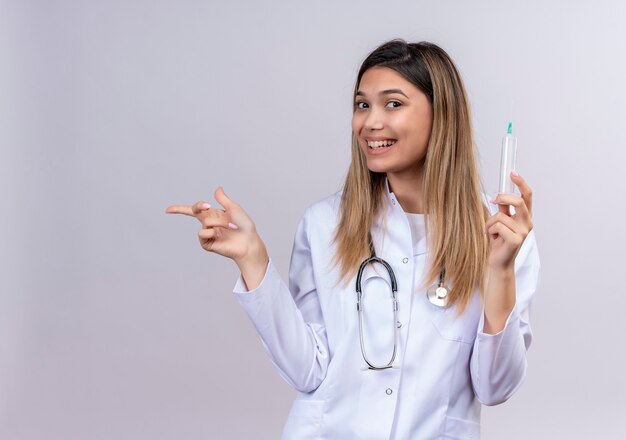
x=360 y=105
x=394 y=104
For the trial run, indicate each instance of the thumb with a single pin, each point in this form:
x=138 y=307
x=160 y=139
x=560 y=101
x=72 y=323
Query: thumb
x=235 y=212
x=223 y=199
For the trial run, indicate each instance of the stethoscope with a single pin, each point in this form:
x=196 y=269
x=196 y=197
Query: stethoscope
x=437 y=294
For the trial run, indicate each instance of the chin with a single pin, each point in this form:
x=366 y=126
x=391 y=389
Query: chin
x=379 y=169
x=376 y=166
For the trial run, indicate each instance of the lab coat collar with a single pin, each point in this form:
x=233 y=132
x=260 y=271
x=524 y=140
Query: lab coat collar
x=389 y=193
x=392 y=199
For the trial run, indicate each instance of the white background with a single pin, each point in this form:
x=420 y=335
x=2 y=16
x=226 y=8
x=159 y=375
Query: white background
x=115 y=324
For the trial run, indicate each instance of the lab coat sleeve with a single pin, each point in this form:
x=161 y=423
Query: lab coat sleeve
x=289 y=320
x=498 y=362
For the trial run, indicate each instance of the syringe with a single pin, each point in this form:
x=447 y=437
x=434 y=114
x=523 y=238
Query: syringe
x=507 y=161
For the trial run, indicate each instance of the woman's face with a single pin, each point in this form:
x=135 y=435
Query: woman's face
x=392 y=120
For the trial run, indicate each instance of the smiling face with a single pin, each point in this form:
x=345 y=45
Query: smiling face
x=392 y=121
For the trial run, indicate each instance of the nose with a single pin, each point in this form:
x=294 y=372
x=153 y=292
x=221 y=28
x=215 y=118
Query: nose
x=374 y=120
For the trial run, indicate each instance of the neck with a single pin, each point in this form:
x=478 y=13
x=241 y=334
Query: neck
x=407 y=187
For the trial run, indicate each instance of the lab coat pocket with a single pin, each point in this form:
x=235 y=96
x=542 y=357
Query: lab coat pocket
x=459 y=429
x=305 y=420
x=452 y=327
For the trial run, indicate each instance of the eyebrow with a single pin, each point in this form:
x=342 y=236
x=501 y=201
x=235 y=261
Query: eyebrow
x=385 y=92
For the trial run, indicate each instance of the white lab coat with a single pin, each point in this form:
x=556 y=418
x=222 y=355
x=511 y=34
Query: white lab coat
x=447 y=365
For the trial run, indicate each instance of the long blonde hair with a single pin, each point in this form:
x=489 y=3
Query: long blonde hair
x=455 y=215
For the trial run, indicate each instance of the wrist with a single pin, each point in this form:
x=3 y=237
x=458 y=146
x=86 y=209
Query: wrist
x=256 y=253
x=499 y=298
x=254 y=264
x=502 y=270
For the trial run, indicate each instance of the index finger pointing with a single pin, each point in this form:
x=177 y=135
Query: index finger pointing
x=180 y=209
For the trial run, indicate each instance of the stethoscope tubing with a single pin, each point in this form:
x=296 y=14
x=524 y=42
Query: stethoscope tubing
x=437 y=295
x=359 y=308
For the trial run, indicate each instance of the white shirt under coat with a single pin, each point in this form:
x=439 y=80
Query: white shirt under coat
x=446 y=365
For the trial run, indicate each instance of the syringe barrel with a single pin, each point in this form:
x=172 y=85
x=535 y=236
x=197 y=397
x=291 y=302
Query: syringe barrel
x=507 y=164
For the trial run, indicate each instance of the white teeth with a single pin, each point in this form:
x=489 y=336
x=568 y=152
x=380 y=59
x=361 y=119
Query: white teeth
x=380 y=144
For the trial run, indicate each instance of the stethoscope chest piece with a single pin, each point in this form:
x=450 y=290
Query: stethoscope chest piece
x=438 y=295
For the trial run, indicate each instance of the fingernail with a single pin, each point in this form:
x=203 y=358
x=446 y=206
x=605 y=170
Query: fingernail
x=233 y=226
x=205 y=206
x=515 y=173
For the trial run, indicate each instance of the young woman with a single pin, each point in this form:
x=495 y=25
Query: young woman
x=442 y=322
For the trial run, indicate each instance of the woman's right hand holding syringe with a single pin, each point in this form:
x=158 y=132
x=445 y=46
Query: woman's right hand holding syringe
x=229 y=232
